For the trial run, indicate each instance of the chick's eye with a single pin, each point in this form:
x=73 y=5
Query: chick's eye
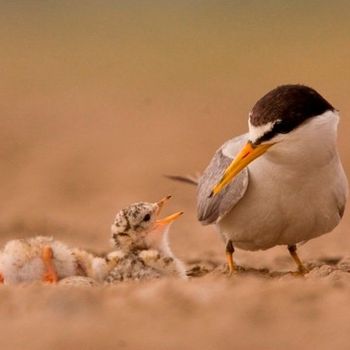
x=147 y=217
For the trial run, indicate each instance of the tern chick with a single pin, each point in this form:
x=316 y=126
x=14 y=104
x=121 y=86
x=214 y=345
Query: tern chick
x=46 y=259
x=144 y=238
x=36 y=259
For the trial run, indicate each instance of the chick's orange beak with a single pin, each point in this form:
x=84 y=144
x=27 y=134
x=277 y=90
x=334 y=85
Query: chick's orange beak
x=161 y=203
x=169 y=219
x=247 y=154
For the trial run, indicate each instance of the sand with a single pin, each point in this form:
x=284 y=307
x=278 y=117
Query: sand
x=209 y=313
x=253 y=309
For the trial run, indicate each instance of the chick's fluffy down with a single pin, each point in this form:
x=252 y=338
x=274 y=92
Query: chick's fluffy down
x=20 y=260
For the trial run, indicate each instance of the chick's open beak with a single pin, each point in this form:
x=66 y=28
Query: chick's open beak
x=247 y=154
x=161 y=203
x=169 y=219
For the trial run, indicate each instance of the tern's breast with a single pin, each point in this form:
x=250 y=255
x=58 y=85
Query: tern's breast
x=286 y=204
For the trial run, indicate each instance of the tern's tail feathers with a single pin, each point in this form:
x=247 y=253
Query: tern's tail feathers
x=189 y=179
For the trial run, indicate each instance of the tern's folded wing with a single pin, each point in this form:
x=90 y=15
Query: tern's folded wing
x=212 y=210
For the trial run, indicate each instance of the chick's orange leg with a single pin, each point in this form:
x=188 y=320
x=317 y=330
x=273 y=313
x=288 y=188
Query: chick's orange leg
x=50 y=275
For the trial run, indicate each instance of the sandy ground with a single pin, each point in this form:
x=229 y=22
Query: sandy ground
x=97 y=104
x=209 y=313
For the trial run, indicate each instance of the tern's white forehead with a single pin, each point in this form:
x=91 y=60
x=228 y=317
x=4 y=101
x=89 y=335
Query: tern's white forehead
x=256 y=132
x=319 y=124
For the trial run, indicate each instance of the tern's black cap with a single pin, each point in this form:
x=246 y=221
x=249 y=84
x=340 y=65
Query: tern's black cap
x=287 y=106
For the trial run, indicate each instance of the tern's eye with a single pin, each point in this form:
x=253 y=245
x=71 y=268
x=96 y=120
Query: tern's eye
x=147 y=217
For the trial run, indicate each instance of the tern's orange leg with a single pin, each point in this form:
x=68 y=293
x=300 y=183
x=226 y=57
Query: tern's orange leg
x=50 y=276
x=232 y=267
x=302 y=270
x=1 y=279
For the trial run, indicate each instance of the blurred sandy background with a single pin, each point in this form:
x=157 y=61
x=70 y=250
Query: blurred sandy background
x=99 y=99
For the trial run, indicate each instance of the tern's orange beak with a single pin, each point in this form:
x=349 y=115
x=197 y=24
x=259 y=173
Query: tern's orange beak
x=247 y=154
x=169 y=219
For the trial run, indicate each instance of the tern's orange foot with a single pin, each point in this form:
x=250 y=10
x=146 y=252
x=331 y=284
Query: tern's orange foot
x=232 y=267
x=50 y=276
x=302 y=270
x=299 y=273
x=231 y=271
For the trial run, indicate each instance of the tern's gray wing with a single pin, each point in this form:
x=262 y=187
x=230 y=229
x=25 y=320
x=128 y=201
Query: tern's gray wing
x=211 y=210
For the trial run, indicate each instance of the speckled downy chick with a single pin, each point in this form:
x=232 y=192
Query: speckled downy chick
x=138 y=231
